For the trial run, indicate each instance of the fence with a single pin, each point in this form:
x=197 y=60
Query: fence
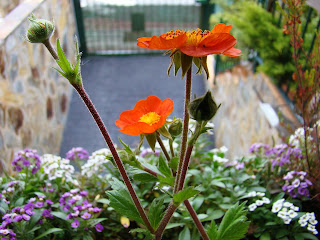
x=112 y=27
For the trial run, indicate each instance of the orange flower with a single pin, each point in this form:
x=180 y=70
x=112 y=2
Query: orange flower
x=146 y=117
x=196 y=43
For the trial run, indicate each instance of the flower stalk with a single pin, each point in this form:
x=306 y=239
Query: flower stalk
x=185 y=130
x=115 y=155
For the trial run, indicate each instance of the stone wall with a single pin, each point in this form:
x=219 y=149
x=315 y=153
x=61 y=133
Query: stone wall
x=240 y=121
x=34 y=98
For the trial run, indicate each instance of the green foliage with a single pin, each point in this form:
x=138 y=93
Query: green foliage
x=156 y=212
x=121 y=201
x=234 y=224
x=184 y=194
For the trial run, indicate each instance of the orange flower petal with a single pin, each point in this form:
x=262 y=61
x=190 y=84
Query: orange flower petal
x=213 y=44
x=233 y=52
x=130 y=120
x=221 y=28
x=161 y=42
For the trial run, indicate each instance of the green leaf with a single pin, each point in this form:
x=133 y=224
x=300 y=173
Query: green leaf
x=185 y=234
x=103 y=201
x=212 y=231
x=302 y=236
x=94 y=222
x=51 y=230
x=183 y=195
x=174 y=225
x=35 y=217
x=121 y=201
x=156 y=212
x=60 y=215
x=265 y=236
x=164 y=168
x=144 y=177
x=19 y=201
x=173 y=164
x=148 y=235
x=152 y=139
x=166 y=180
x=234 y=224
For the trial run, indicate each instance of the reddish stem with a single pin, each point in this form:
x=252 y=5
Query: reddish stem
x=185 y=126
x=184 y=169
x=196 y=220
x=165 y=220
x=115 y=155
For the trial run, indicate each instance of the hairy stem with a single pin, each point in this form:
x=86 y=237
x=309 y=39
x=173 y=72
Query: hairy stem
x=184 y=169
x=196 y=220
x=163 y=148
x=185 y=126
x=50 y=48
x=114 y=152
x=165 y=220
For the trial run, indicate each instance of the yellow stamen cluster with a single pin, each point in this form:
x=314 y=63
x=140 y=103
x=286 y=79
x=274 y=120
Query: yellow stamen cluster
x=195 y=36
x=150 y=118
x=172 y=34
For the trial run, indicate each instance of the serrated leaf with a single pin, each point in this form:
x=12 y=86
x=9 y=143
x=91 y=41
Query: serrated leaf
x=164 y=168
x=156 y=212
x=166 y=180
x=51 y=230
x=184 y=194
x=212 y=231
x=185 y=234
x=121 y=201
x=234 y=224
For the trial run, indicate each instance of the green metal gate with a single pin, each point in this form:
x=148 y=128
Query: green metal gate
x=112 y=26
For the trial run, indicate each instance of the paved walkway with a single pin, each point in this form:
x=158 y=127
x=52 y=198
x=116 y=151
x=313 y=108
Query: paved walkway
x=115 y=84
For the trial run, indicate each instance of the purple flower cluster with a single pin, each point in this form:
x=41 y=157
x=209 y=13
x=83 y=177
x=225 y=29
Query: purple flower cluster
x=296 y=184
x=19 y=214
x=75 y=202
x=148 y=151
x=77 y=153
x=27 y=158
x=9 y=190
x=280 y=154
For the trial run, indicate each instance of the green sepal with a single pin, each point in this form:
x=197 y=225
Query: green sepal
x=186 y=63
x=205 y=65
x=152 y=139
x=71 y=72
x=164 y=132
x=131 y=157
x=183 y=195
x=197 y=62
x=177 y=62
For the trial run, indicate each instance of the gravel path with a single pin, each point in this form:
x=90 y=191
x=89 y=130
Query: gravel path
x=115 y=84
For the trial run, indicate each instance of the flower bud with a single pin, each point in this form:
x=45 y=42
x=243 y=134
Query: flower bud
x=175 y=127
x=40 y=30
x=203 y=108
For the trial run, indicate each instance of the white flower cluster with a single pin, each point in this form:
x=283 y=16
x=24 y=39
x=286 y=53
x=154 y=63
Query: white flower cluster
x=297 y=139
x=309 y=220
x=217 y=158
x=259 y=202
x=95 y=162
x=56 y=167
x=286 y=210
